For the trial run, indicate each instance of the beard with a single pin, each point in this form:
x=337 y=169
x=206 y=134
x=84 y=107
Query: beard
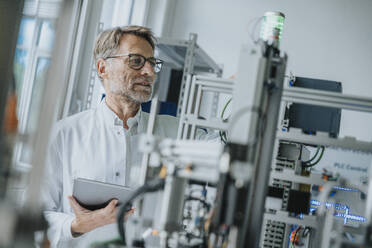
x=139 y=95
x=132 y=90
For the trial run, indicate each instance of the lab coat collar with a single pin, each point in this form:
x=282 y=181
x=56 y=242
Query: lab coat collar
x=112 y=120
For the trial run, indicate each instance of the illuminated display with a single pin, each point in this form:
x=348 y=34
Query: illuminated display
x=346 y=215
x=345 y=189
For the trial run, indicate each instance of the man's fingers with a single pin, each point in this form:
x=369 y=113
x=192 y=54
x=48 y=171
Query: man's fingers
x=75 y=205
x=111 y=206
x=73 y=202
x=129 y=213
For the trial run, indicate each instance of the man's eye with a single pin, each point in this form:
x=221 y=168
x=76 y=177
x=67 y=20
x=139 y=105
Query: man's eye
x=137 y=61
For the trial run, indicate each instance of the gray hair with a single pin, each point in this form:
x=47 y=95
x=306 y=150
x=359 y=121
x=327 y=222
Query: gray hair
x=108 y=42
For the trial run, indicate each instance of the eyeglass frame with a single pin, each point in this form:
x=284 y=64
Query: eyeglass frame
x=157 y=61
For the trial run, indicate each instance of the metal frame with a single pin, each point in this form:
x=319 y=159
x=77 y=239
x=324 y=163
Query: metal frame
x=189 y=116
x=326 y=99
x=189 y=120
x=296 y=135
x=188 y=67
x=261 y=156
x=268 y=99
x=166 y=48
x=170 y=42
x=78 y=55
x=92 y=76
x=81 y=81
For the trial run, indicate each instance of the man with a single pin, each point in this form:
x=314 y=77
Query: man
x=101 y=143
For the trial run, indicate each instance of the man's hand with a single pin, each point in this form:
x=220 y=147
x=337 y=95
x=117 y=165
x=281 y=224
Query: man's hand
x=87 y=220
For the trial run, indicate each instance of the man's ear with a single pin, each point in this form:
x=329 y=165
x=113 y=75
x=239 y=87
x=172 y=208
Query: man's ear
x=101 y=68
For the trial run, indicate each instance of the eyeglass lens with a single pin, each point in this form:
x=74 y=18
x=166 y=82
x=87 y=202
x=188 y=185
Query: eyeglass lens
x=137 y=62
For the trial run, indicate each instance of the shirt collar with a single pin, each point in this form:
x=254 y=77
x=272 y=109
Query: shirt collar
x=112 y=120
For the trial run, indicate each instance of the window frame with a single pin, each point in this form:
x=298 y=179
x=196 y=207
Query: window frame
x=34 y=53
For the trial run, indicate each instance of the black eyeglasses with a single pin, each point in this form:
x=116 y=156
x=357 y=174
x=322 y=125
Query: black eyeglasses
x=137 y=61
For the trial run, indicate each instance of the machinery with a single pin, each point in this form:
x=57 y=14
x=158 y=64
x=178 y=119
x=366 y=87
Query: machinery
x=267 y=190
x=260 y=186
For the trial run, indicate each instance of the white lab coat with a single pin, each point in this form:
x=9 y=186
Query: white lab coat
x=94 y=145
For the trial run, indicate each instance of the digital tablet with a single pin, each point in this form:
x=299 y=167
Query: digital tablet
x=94 y=195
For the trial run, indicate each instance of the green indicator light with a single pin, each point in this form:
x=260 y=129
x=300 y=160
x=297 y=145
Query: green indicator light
x=272 y=27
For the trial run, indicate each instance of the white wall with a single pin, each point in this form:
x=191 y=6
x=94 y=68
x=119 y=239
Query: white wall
x=329 y=39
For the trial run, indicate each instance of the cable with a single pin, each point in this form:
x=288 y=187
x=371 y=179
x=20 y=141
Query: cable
x=316 y=154
x=319 y=158
x=224 y=108
x=252 y=33
x=222 y=137
x=254 y=109
x=294 y=238
x=205 y=204
x=240 y=112
x=223 y=133
x=150 y=186
x=305 y=165
x=306 y=231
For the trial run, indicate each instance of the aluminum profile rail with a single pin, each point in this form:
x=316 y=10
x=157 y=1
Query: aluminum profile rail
x=347 y=142
x=189 y=117
x=173 y=49
x=327 y=99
